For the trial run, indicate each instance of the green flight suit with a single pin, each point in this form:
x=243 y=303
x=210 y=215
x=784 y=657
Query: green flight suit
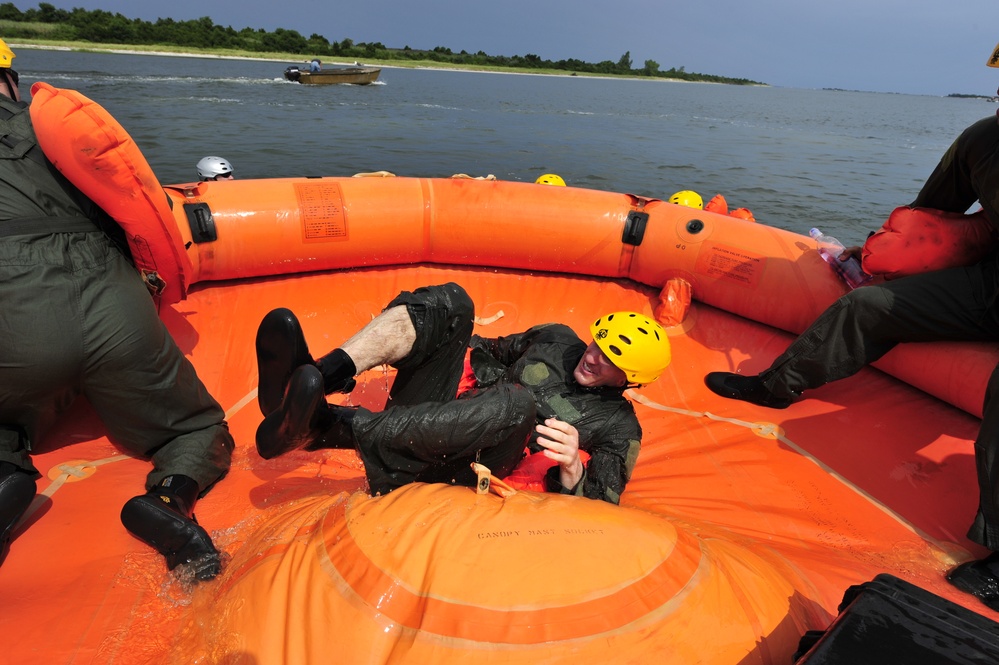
x=77 y=319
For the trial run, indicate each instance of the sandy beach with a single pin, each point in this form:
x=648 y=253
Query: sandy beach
x=346 y=63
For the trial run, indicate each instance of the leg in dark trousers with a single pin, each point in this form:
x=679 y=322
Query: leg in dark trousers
x=859 y=328
x=424 y=434
x=437 y=442
x=442 y=317
x=985 y=529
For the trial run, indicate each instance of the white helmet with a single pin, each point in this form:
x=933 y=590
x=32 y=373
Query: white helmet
x=210 y=168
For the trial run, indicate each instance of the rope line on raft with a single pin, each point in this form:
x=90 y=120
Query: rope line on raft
x=68 y=472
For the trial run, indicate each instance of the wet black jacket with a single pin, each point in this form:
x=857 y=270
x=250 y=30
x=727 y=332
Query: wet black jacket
x=542 y=360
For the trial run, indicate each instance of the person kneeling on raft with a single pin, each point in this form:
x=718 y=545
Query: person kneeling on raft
x=60 y=343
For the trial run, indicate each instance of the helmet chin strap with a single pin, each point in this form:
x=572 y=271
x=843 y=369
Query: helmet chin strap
x=12 y=90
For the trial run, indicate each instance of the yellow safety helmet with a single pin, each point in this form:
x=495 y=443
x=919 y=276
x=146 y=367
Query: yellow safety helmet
x=635 y=344
x=6 y=55
x=688 y=198
x=993 y=60
x=550 y=179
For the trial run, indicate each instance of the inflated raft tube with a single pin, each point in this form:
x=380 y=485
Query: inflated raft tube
x=435 y=573
x=283 y=226
x=252 y=228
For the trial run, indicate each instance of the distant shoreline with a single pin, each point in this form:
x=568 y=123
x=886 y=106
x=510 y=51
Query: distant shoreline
x=120 y=50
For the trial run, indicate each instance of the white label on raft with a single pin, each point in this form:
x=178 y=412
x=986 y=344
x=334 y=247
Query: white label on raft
x=731 y=263
x=320 y=206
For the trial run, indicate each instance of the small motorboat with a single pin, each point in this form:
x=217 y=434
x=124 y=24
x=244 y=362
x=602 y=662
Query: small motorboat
x=352 y=75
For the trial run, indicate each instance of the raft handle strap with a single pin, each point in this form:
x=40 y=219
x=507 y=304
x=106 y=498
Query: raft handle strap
x=201 y=221
x=487 y=481
x=634 y=227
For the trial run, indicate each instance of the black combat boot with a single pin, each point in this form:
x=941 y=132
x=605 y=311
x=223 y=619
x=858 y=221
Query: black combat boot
x=281 y=348
x=338 y=372
x=164 y=519
x=304 y=419
x=746 y=388
x=17 y=489
x=979 y=578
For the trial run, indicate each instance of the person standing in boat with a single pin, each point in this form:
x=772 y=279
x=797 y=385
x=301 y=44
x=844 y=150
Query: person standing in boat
x=315 y=66
x=215 y=168
x=78 y=319
x=956 y=304
x=544 y=388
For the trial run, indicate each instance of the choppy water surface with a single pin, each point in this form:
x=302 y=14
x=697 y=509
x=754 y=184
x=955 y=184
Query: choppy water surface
x=796 y=158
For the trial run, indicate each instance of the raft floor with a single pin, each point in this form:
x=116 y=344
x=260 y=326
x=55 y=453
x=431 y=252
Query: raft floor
x=865 y=476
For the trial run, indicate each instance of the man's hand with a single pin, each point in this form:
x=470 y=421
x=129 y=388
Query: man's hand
x=561 y=442
x=855 y=252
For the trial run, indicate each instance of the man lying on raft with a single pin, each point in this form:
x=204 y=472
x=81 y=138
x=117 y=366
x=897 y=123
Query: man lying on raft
x=543 y=388
x=956 y=304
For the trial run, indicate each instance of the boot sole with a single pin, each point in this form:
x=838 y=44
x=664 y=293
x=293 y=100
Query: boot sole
x=290 y=426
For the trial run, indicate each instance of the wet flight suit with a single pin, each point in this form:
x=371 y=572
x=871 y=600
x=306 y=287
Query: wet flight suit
x=426 y=434
x=957 y=304
x=75 y=317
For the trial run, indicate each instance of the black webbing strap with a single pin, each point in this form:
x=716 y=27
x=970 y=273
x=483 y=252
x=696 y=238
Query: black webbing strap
x=20 y=146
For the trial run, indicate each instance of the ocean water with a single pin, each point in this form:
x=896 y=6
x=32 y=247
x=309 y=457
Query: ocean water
x=797 y=158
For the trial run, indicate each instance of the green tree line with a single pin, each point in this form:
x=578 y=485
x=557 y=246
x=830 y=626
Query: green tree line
x=102 y=27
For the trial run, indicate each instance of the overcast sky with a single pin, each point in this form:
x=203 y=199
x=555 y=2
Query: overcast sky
x=932 y=47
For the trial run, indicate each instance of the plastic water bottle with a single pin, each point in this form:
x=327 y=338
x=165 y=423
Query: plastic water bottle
x=849 y=270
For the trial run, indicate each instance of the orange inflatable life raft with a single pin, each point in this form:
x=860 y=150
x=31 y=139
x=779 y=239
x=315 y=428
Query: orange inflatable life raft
x=918 y=240
x=739 y=530
x=96 y=154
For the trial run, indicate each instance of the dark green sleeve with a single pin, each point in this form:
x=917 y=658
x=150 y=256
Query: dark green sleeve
x=609 y=470
x=508 y=349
